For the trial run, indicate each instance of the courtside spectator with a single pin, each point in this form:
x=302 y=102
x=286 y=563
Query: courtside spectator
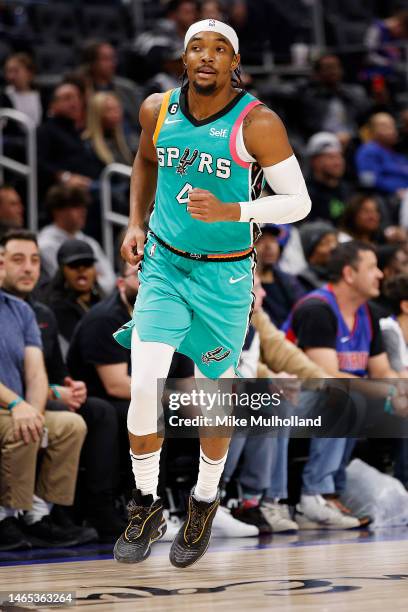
x=100 y=451
x=338 y=330
x=327 y=188
x=23 y=395
x=68 y=209
x=318 y=239
x=74 y=288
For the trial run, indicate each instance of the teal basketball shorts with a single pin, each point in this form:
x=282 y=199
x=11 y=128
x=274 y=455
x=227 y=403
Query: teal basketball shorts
x=202 y=308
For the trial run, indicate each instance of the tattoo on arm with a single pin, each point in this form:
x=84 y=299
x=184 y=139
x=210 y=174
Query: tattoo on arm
x=247 y=121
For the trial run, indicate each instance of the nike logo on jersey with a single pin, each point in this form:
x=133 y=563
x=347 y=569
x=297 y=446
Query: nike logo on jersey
x=344 y=339
x=233 y=280
x=168 y=121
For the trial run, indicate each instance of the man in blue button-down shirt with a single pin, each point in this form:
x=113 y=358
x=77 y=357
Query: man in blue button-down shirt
x=23 y=393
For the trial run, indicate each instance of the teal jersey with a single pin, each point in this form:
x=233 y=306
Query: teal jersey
x=202 y=154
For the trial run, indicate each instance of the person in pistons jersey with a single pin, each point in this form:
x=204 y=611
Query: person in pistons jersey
x=204 y=152
x=337 y=330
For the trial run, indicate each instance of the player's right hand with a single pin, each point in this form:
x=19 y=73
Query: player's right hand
x=133 y=245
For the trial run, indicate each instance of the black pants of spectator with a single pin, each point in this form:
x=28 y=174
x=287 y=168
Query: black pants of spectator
x=100 y=452
x=125 y=482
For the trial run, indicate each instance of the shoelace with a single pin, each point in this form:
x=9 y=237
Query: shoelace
x=196 y=524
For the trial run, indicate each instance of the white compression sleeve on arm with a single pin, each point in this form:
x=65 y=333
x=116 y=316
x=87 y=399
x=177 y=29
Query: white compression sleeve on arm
x=292 y=202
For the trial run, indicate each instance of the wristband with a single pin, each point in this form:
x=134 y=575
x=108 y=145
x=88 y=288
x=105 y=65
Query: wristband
x=388 y=407
x=14 y=403
x=55 y=391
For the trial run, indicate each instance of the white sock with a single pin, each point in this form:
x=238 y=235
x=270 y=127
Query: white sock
x=7 y=512
x=146 y=472
x=40 y=509
x=209 y=474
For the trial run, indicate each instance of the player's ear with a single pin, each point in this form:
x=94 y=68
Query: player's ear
x=183 y=57
x=235 y=61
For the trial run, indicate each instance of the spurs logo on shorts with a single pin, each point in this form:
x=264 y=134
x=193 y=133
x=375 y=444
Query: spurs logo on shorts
x=215 y=355
x=185 y=161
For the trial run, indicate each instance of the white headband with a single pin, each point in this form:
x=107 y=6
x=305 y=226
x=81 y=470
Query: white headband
x=212 y=25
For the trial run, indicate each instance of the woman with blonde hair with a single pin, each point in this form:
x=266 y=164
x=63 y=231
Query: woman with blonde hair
x=104 y=129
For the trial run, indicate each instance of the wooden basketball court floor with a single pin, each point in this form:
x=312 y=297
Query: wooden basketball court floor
x=313 y=571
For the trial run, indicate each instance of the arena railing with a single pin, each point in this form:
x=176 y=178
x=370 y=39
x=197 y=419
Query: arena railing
x=109 y=216
x=28 y=170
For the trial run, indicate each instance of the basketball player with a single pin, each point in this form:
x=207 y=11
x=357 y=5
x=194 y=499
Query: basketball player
x=203 y=152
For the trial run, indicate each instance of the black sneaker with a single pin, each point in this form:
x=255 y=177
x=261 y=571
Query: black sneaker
x=46 y=534
x=11 y=536
x=146 y=525
x=83 y=534
x=252 y=515
x=193 y=538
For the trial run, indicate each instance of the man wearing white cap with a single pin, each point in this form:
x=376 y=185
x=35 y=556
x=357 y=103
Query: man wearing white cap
x=326 y=184
x=204 y=153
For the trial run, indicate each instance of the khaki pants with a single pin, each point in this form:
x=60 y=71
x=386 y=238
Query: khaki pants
x=59 y=466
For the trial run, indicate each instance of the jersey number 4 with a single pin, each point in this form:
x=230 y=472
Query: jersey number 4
x=182 y=196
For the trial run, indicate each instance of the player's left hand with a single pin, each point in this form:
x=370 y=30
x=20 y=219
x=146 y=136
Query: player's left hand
x=204 y=206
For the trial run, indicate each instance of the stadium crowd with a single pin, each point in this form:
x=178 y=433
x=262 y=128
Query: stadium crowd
x=342 y=273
